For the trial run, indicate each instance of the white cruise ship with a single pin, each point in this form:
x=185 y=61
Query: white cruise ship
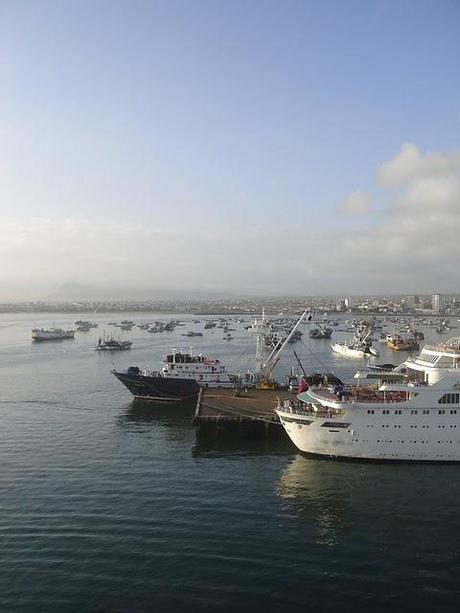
x=417 y=420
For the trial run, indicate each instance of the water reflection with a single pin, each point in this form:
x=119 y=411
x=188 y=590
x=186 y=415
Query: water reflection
x=319 y=491
x=383 y=501
x=158 y=424
x=215 y=446
x=139 y=411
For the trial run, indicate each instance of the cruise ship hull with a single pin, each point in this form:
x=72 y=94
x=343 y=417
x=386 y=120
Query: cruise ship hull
x=362 y=436
x=414 y=420
x=158 y=388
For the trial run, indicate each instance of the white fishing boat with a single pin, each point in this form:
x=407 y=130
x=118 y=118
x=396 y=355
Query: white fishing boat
x=416 y=419
x=359 y=347
x=51 y=334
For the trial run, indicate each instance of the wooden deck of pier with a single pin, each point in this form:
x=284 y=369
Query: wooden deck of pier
x=249 y=413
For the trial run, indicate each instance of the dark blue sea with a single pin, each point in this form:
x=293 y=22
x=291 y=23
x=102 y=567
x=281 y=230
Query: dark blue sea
x=106 y=505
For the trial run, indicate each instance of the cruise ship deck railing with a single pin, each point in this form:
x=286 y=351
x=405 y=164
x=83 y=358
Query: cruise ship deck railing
x=354 y=394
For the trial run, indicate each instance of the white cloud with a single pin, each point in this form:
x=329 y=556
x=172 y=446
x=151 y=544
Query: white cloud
x=357 y=203
x=433 y=195
x=413 y=248
x=410 y=164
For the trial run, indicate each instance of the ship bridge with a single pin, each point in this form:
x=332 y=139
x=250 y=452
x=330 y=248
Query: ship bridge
x=433 y=361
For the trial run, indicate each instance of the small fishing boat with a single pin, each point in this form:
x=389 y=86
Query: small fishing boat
x=321 y=332
x=112 y=344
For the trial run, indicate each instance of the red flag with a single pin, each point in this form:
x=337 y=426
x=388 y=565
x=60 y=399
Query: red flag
x=303 y=386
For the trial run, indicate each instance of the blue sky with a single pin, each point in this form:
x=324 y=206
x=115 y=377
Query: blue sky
x=211 y=116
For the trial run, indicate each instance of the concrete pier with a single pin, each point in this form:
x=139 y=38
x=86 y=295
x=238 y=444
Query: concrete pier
x=248 y=413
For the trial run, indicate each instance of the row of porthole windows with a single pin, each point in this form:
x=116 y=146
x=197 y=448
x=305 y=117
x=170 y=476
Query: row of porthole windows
x=412 y=455
x=385 y=411
x=401 y=441
x=396 y=455
x=413 y=442
x=424 y=427
x=413 y=412
x=398 y=426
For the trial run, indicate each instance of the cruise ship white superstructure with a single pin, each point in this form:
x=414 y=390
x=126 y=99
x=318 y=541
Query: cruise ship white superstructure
x=417 y=420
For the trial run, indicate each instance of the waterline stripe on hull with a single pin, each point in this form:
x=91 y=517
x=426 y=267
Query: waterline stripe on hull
x=343 y=458
x=162 y=399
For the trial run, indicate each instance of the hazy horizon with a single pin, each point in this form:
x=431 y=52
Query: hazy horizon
x=71 y=294
x=240 y=148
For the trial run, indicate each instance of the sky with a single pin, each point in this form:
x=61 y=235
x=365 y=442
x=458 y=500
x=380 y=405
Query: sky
x=243 y=147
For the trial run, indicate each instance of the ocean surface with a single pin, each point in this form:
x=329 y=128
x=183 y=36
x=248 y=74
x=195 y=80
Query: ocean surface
x=106 y=505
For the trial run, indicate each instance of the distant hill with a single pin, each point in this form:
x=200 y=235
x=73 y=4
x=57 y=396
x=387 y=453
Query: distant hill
x=74 y=292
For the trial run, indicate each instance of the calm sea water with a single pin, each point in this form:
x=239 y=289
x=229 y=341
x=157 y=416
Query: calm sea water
x=108 y=506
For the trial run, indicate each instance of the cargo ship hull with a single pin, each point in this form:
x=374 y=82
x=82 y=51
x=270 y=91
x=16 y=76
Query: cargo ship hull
x=157 y=387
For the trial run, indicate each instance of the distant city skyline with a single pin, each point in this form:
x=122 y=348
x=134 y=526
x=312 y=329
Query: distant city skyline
x=244 y=148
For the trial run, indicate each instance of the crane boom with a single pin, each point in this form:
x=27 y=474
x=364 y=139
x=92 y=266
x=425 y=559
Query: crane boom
x=274 y=357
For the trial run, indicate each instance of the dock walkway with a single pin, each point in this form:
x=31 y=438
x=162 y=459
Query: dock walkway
x=248 y=413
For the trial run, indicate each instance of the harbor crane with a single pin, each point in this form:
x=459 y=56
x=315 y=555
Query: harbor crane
x=265 y=380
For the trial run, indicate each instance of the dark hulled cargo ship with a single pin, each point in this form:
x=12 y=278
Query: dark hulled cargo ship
x=183 y=374
x=155 y=386
x=180 y=378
